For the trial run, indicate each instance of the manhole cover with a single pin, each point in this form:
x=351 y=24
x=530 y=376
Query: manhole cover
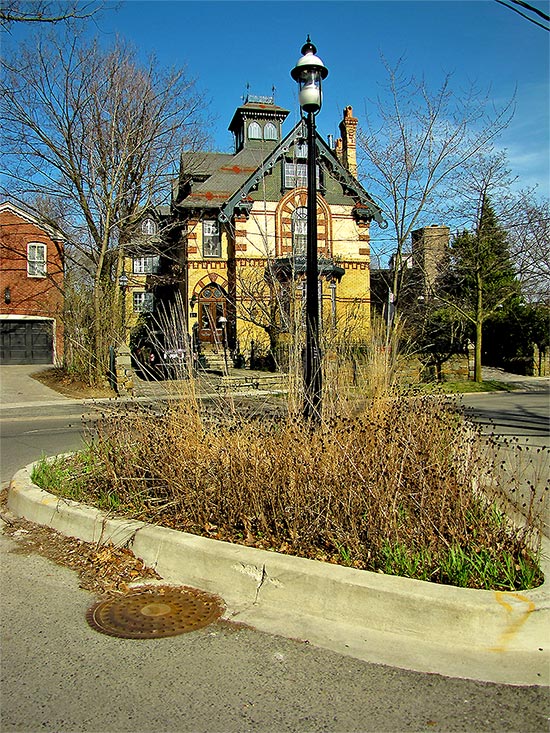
x=149 y=612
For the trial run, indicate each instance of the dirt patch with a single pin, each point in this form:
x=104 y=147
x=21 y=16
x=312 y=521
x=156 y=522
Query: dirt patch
x=58 y=380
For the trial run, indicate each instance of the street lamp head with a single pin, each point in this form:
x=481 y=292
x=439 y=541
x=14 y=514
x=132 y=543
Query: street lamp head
x=309 y=73
x=123 y=280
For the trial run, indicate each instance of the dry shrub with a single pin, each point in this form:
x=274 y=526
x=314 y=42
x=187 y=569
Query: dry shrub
x=398 y=475
x=387 y=481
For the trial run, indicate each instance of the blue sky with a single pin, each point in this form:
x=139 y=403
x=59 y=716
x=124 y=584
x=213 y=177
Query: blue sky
x=229 y=44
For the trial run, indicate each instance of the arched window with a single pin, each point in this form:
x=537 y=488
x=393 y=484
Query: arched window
x=270 y=131
x=291 y=224
x=148 y=226
x=299 y=231
x=254 y=131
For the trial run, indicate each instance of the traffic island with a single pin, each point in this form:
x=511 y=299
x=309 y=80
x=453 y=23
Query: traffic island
x=485 y=635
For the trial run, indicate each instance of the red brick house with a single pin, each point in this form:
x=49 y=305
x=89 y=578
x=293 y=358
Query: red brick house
x=31 y=288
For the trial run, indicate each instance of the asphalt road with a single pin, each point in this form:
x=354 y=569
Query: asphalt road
x=60 y=675
x=28 y=433
x=524 y=415
x=519 y=424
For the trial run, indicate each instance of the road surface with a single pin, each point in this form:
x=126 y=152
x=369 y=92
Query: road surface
x=60 y=675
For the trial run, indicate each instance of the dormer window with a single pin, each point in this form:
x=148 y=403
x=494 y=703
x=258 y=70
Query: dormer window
x=254 y=131
x=270 y=131
x=149 y=226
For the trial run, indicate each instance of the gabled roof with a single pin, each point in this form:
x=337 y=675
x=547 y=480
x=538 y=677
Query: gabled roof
x=326 y=158
x=223 y=181
x=24 y=213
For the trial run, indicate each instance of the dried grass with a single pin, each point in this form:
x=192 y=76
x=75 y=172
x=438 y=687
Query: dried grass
x=386 y=482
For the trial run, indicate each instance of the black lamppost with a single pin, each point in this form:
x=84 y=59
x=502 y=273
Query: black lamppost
x=309 y=73
x=123 y=284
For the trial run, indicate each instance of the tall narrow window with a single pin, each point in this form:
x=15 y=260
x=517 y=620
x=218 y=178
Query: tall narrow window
x=300 y=150
x=254 y=131
x=211 y=242
x=36 y=260
x=299 y=231
x=270 y=131
x=148 y=226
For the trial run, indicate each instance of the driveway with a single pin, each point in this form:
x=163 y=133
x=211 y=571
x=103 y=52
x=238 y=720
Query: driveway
x=18 y=387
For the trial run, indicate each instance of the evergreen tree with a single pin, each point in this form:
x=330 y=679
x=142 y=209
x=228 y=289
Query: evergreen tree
x=483 y=278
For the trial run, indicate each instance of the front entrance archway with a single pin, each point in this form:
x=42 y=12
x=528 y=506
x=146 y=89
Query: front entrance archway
x=212 y=305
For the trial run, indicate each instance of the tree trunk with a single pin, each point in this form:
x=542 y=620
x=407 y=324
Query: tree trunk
x=477 y=352
x=479 y=332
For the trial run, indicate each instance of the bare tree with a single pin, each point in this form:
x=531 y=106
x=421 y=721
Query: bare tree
x=97 y=136
x=45 y=11
x=529 y=232
x=418 y=148
x=265 y=303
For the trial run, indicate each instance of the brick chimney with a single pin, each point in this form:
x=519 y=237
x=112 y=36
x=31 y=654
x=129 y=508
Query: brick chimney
x=348 y=130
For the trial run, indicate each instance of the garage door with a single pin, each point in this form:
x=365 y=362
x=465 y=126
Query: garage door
x=26 y=342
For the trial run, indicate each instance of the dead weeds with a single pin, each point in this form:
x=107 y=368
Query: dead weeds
x=102 y=569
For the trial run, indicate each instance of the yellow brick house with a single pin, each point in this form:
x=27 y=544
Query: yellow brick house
x=231 y=246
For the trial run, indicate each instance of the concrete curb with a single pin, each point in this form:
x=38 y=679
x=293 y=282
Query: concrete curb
x=493 y=636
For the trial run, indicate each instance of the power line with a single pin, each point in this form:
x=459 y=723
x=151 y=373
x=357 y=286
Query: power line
x=523 y=15
x=531 y=7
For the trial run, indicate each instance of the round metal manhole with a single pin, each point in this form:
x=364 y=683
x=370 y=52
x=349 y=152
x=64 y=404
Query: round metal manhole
x=150 y=612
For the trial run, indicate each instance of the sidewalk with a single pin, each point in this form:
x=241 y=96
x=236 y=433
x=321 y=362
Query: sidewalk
x=18 y=388
x=518 y=381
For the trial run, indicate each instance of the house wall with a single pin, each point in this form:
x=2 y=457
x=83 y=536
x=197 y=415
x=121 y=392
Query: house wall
x=266 y=234
x=31 y=297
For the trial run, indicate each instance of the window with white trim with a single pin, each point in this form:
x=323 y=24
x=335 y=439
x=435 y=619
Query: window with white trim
x=270 y=131
x=211 y=242
x=36 y=259
x=145 y=265
x=254 y=131
x=296 y=175
x=300 y=150
x=142 y=301
x=149 y=226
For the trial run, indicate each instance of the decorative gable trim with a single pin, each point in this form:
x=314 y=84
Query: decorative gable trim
x=327 y=160
x=228 y=209
x=369 y=210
